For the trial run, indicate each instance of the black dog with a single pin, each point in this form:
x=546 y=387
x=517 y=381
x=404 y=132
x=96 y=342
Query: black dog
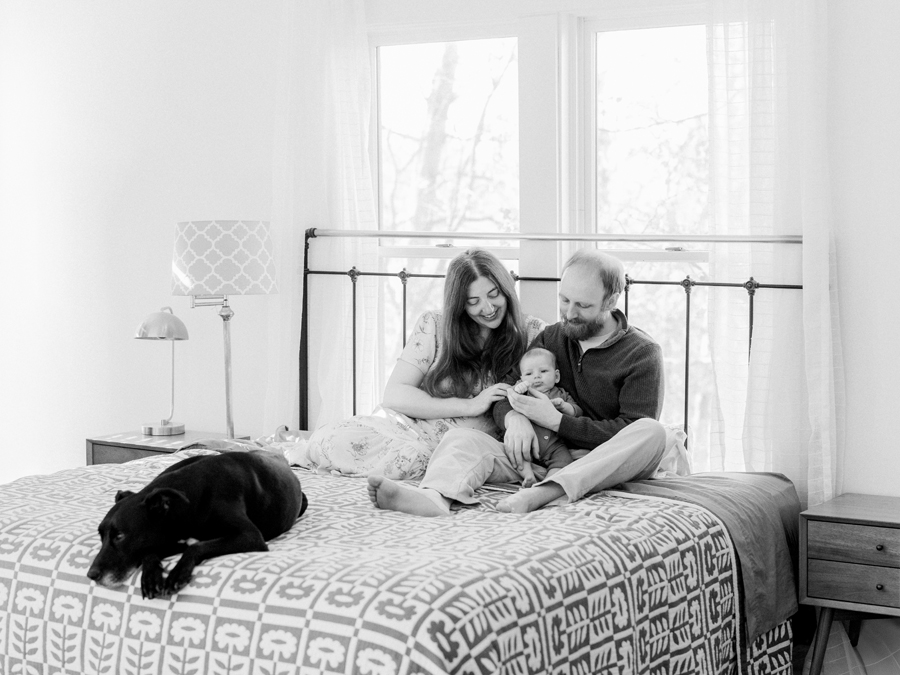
x=228 y=503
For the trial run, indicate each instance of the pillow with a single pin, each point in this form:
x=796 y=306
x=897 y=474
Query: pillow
x=675 y=461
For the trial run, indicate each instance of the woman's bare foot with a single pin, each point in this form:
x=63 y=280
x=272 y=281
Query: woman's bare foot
x=386 y=494
x=531 y=499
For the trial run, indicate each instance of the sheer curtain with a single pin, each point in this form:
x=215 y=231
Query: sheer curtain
x=322 y=178
x=782 y=409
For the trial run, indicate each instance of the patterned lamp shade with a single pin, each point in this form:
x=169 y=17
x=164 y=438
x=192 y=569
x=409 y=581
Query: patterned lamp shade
x=223 y=257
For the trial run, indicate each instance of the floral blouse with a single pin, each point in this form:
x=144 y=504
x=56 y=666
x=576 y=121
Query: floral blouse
x=423 y=347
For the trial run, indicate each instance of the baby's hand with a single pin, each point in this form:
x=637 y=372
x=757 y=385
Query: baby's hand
x=562 y=406
x=528 y=478
x=521 y=388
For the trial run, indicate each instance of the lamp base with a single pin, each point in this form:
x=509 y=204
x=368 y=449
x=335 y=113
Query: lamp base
x=162 y=429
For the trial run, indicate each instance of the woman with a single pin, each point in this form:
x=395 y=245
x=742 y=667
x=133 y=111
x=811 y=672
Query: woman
x=449 y=375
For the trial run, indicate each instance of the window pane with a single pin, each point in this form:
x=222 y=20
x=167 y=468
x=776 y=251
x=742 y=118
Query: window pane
x=449 y=136
x=652 y=138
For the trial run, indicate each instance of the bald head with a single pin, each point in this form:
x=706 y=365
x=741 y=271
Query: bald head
x=606 y=269
x=588 y=292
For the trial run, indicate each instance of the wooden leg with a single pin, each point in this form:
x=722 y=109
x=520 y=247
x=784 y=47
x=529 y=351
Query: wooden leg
x=826 y=615
x=853 y=633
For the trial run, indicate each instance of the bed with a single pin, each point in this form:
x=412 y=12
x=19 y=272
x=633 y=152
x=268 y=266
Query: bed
x=623 y=582
x=681 y=574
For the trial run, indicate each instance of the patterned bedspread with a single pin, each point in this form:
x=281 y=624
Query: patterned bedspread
x=606 y=585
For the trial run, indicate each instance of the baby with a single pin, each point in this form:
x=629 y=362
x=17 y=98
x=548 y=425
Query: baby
x=539 y=372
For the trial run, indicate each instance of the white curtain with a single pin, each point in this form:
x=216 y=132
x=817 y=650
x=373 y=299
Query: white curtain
x=322 y=179
x=782 y=409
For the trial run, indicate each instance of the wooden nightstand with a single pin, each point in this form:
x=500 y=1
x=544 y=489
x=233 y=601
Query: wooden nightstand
x=850 y=560
x=124 y=447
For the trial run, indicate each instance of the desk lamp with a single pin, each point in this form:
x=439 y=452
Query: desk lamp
x=164 y=325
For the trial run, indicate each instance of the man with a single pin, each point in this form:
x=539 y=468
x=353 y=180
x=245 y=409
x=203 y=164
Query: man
x=614 y=370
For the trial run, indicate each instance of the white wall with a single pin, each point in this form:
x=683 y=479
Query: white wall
x=119 y=119
x=865 y=163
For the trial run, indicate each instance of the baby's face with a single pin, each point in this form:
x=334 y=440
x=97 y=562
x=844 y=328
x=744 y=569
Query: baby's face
x=539 y=373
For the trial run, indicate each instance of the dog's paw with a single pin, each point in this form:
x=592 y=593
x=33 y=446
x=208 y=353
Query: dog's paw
x=178 y=578
x=152 y=582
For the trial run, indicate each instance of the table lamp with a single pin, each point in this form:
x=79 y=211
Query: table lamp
x=163 y=325
x=217 y=258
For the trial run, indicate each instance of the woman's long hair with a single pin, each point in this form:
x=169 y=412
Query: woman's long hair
x=464 y=361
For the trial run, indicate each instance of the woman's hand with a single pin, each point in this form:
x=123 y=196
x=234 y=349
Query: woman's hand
x=482 y=403
x=403 y=394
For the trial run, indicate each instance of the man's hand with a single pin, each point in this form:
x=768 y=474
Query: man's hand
x=536 y=407
x=520 y=442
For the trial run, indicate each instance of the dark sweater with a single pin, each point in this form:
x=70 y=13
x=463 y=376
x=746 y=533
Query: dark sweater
x=616 y=383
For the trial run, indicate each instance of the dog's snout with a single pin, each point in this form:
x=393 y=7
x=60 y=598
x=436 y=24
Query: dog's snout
x=93 y=573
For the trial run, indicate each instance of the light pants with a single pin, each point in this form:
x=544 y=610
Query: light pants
x=466 y=459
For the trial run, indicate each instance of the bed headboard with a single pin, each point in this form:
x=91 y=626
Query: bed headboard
x=751 y=286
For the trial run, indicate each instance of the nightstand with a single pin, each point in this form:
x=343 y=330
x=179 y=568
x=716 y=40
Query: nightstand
x=850 y=561
x=124 y=447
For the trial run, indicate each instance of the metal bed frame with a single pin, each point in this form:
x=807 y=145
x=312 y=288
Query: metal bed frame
x=751 y=285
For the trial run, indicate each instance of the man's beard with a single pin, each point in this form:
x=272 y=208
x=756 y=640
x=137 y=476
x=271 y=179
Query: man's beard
x=579 y=329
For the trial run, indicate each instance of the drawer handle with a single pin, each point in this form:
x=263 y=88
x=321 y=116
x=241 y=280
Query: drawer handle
x=879 y=547
x=879 y=587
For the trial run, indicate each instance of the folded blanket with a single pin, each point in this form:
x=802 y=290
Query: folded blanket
x=761 y=512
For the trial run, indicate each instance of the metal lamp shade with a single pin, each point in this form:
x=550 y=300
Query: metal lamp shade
x=162 y=325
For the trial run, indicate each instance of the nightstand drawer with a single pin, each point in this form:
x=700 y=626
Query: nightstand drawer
x=111 y=454
x=854 y=583
x=854 y=543
x=129 y=445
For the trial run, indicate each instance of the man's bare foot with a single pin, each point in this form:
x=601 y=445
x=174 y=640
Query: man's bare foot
x=531 y=499
x=386 y=494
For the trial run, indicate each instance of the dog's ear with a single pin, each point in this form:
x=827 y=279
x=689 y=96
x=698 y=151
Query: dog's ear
x=163 y=502
x=121 y=494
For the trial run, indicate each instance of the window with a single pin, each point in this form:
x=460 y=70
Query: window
x=652 y=168
x=448 y=136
